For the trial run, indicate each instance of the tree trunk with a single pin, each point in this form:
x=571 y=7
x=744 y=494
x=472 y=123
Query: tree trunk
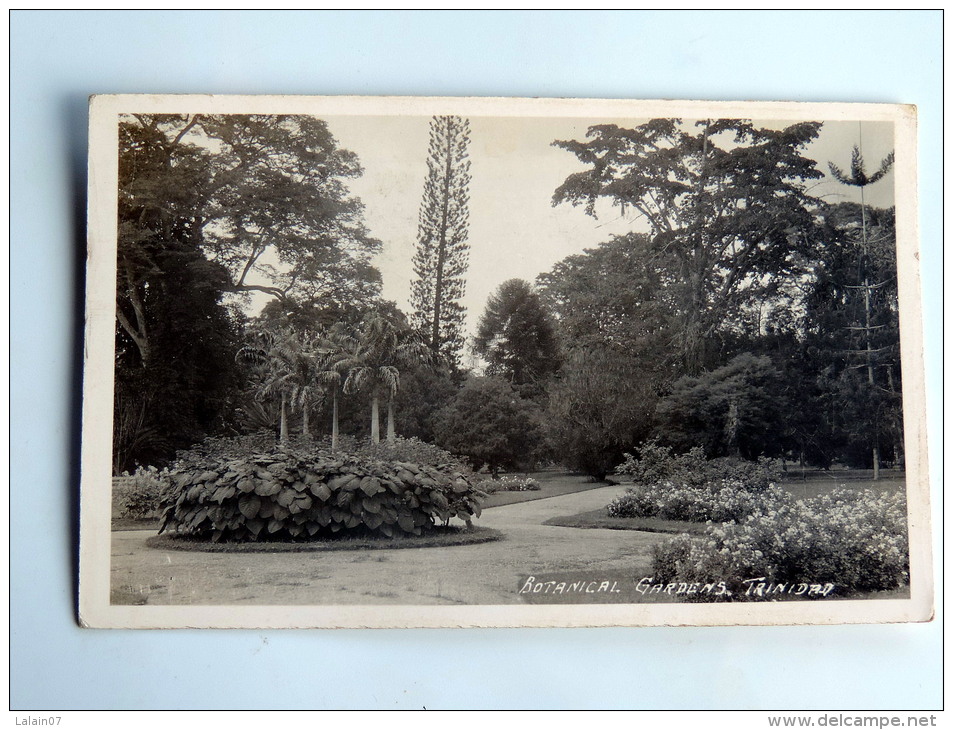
x=896 y=430
x=375 y=420
x=283 y=434
x=867 y=328
x=391 y=430
x=334 y=423
x=304 y=419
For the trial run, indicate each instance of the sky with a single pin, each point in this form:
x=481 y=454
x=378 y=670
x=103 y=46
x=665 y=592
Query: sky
x=515 y=232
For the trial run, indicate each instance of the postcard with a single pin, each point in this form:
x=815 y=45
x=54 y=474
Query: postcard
x=477 y=362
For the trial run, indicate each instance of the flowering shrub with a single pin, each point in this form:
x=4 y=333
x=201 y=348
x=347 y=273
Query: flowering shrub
x=299 y=493
x=656 y=465
x=714 y=502
x=854 y=541
x=139 y=495
x=509 y=484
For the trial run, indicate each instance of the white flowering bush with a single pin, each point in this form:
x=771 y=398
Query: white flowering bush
x=656 y=465
x=852 y=540
x=722 y=501
x=509 y=484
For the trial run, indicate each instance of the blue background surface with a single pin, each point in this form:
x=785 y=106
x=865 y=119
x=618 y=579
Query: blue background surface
x=59 y=58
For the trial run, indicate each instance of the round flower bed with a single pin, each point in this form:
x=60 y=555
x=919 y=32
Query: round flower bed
x=291 y=494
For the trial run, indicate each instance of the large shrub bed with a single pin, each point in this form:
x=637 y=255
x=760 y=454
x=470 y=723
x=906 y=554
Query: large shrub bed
x=848 y=540
x=657 y=465
x=713 y=502
x=298 y=492
x=690 y=488
x=509 y=483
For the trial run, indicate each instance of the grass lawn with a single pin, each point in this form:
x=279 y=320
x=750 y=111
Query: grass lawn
x=597 y=519
x=818 y=483
x=551 y=483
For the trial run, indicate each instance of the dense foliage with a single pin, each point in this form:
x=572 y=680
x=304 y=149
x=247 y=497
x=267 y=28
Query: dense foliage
x=734 y=410
x=209 y=206
x=294 y=493
x=139 y=495
x=404 y=449
x=714 y=501
x=489 y=423
x=726 y=201
x=656 y=464
x=747 y=319
x=517 y=337
x=691 y=488
x=853 y=541
x=600 y=404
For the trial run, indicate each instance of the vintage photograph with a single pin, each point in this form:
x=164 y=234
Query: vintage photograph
x=502 y=362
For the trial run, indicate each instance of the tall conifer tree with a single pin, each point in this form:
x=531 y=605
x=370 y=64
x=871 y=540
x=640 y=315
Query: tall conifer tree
x=440 y=263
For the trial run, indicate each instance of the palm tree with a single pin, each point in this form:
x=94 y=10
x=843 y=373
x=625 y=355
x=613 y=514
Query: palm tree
x=333 y=354
x=303 y=378
x=371 y=361
x=330 y=379
x=858 y=178
x=273 y=354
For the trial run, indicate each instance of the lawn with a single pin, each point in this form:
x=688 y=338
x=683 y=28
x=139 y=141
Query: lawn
x=598 y=519
x=817 y=483
x=552 y=484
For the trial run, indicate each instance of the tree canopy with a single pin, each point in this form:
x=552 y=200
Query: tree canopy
x=264 y=196
x=489 y=423
x=725 y=202
x=517 y=335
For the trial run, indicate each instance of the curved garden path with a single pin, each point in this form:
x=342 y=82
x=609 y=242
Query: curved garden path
x=487 y=573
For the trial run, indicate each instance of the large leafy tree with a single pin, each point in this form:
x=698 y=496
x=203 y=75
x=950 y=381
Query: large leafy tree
x=264 y=196
x=175 y=376
x=726 y=205
x=600 y=405
x=614 y=324
x=612 y=296
x=489 y=423
x=735 y=410
x=184 y=386
x=210 y=205
x=441 y=259
x=517 y=336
